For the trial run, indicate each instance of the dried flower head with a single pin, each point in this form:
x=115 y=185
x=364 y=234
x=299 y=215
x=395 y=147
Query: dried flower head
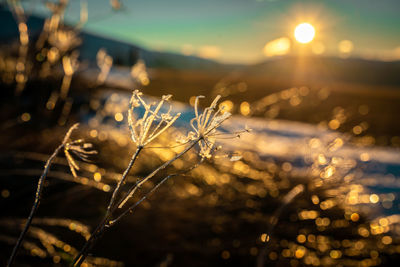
x=139 y=72
x=70 y=65
x=205 y=126
x=81 y=150
x=104 y=62
x=142 y=130
x=64 y=39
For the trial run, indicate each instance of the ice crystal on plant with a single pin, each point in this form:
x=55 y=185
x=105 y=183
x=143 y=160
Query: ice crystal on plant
x=153 y=123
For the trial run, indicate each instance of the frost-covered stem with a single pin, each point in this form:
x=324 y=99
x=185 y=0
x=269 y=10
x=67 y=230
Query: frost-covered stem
x=133 y=206
x=82 y=254
x=163 y=166
x=78 y=260
x=38 y=195
x=122 y=180
x=105 y=223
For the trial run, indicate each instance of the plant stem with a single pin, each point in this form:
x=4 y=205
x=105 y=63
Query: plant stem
x=79 y=259
x=163 y=166
x=130 y=209
x=38 y=195
x=122 y=180
x=82 y=254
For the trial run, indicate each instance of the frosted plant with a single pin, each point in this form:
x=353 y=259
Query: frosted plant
x=80 y=149
x=55 y=33
x=104 y=62
x=84 y=15
x=21 y=66
x=139 y=73
x=64 y=40
x=68 y=145
x=46 y=244
x=205 y=126
x=144 y=131
x=204 y=134
x=70 y=65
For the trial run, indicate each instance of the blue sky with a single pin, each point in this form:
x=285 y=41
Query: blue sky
x=238 y=30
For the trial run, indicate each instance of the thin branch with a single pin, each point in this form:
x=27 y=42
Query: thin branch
x=107 y=223
x=133 y=206
x=122 y=180
x=82 y=254
x=207 y=123
x=79 y=259
x=38 y=195
x=163 y=166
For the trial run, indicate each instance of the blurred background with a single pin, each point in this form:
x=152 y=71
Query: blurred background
x=317 y=81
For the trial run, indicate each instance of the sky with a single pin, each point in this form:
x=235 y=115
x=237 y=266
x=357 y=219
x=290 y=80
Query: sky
x=248 y=31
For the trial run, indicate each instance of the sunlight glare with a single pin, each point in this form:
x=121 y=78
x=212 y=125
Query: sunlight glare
x=277 y=47
x=304 y=33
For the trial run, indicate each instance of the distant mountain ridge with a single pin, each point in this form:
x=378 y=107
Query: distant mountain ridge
x=310 y=68
x=314 y=68
x=123 y=53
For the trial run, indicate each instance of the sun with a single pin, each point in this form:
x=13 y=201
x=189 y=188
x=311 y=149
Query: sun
x=304 y=33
